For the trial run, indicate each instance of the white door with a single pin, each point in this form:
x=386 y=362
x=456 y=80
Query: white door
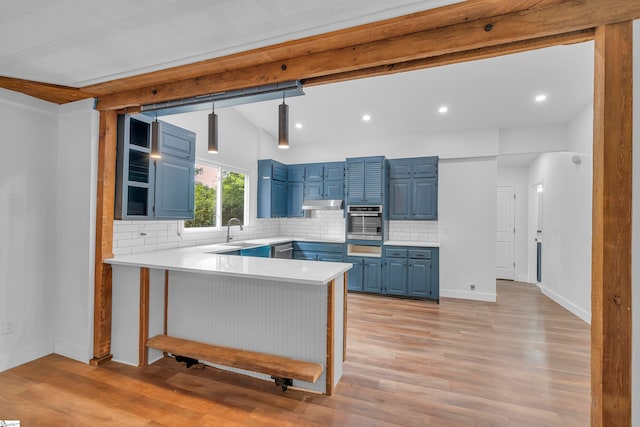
x=505 y=233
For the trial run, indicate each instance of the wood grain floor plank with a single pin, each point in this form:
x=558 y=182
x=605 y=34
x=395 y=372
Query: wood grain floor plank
x=523 y=361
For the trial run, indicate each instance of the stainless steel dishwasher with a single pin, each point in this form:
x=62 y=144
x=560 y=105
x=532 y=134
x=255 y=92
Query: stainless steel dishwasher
x=284 y=250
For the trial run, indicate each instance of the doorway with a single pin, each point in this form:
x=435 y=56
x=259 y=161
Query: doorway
x=505 y=232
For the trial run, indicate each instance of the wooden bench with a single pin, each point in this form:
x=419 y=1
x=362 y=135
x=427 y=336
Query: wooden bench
x=282 y=369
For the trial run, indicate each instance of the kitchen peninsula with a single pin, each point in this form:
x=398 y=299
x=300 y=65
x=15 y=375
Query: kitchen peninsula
x=286 y=308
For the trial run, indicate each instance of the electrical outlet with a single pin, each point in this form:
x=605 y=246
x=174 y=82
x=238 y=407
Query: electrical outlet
x=7 y=327
x=472 y=286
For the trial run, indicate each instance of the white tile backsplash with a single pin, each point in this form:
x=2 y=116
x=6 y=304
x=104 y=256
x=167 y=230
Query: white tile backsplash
x=414 y=231
x=324 y=224
x=142 y=236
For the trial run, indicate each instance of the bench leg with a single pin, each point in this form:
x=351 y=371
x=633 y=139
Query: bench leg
x=282 y=382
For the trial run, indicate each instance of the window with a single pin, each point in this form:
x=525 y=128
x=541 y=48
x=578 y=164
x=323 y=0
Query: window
x=219 y=196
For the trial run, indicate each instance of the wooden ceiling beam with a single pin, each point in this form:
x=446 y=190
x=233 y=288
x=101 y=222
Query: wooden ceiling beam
x=472 y=10
x=46 y=91
x=455 y=58
x=532 y=23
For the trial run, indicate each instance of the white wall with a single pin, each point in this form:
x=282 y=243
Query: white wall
x=635 y=252
x=539 y=139
x=473 y=143
x=74 y=232
x=566 y=229
x=467 y=228
x=27 y=218
x=518 y=177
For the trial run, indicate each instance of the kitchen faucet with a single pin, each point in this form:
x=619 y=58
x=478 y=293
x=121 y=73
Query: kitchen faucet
x=235 y=220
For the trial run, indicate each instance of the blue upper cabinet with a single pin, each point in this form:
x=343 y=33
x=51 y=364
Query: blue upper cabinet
x=355 y=180
x=424 y=198
x=413 y=188
x=399 y=206
x=295 y=196
x=148 y=188
x=295 y=173
x=282 y=189
x=365 y=180
x=175 y=173
x=400 y=168
x=314 y=190
x=334 y=190
x=334 y=171
x=324 y=181
x=272 y=189
x=314 y=172
x=425 y=167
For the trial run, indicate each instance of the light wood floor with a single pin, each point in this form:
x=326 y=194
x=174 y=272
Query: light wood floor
x=523 y=361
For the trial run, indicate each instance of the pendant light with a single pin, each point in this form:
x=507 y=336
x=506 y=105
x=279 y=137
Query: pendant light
x=212 y=146
x=155 y=139
x=283 y=125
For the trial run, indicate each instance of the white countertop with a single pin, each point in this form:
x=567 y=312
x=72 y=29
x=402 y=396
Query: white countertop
x=203 y=259
x=412 y=243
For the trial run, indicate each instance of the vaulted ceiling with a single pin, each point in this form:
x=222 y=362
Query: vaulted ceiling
x=82 y=43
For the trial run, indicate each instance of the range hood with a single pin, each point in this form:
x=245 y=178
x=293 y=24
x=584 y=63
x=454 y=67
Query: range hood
x=321 y=205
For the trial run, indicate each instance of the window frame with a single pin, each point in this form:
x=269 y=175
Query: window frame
x=222 y=167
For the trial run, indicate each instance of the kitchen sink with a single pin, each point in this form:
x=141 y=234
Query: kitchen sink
x=241 y=244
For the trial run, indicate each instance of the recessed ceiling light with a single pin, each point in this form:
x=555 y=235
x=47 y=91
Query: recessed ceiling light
x=366 y=117
x=443 y=109
x=541 y=97
x=298 y=125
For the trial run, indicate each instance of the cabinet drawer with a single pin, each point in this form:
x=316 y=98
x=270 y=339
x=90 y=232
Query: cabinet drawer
x=395 y=253
x=420 y=253
x=319 y=247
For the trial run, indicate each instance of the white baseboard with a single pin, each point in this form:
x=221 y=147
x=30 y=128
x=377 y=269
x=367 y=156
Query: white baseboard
x=524 y=278
x=582 y=314
x=470 y=295
x=21 y=355
x=72 y=351
x=124 y=362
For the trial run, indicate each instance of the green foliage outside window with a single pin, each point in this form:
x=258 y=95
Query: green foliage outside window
x=205 y=198
x=232 y=196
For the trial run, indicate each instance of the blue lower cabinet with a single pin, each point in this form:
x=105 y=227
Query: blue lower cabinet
x=329 y=257
x=372 y=275
x=355 y=274
x=305 y=255
x=419 y=283
x=236 y=252
x=260 y=251
x=396 y=276
x=411 y=271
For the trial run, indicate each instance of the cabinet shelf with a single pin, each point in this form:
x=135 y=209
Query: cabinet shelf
x=148 y=188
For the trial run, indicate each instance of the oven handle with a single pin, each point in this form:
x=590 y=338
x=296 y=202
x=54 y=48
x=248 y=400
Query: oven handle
x=363 y=214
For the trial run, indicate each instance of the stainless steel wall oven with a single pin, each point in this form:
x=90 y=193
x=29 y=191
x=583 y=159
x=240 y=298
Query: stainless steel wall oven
x=364 y=222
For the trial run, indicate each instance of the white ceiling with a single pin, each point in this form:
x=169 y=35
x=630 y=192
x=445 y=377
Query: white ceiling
x=81 y=42
x=492 y=93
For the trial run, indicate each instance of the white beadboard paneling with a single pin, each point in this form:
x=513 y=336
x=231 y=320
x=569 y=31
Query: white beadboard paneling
x=156 y=309
x=338 y=327
x=266 y=316
x=126 y=314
